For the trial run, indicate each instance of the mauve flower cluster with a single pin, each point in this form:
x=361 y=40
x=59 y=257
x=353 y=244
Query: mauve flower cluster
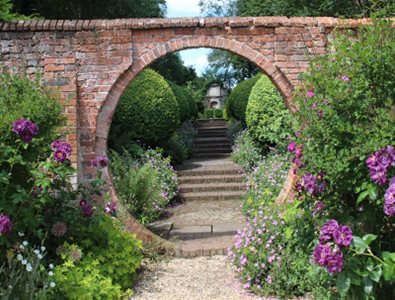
x=86 y=208
x=378 y=164
x=110 y=208
x=259 y=248
x=62 y=150
x=25 y=129
x=5 y=224
x=267 y=178
x=328 y=253
x=100 y=161
x=314 y=185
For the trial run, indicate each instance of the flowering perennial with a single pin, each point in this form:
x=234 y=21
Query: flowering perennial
x=328 y=252
x=62 y=150
x=86 y=208
x=379 y=163
x=5 y=224
x=314 y=185
x=100 y=161
x=25 y=129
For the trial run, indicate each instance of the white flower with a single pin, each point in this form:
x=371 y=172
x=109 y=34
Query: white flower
x=21 y=234
x=19 y=257
x=52 y=284
x=43 y=248
x=29 y=267
x=51 y=266
x=21 y=247
x=24 y=262
x=50 y=273
x=10 y=287
x=40 y=256
x=37 y=252
x=25 y=243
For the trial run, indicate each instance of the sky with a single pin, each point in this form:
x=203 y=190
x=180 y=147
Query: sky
x=189 y=8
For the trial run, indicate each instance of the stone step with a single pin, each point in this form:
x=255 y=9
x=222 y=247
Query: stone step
x=212 y=145
x=205 y=247
x=209 y=140
x=211 y=155
x=209 y=171
x=211 y=134
x=192 y=232
x=208 y=187
x=211 y=150
x=210 y=179
x=213 y=129
x=212 y=196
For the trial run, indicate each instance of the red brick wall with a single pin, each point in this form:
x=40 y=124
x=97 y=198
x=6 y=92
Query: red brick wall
x=92 y=61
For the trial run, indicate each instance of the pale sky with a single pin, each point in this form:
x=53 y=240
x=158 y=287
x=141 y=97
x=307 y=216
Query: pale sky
x=189 y=8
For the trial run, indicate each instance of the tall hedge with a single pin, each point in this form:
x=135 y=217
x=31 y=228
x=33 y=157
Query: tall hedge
x=237 y=101
x=148 y=112
x=267 y=117
x=181 y=95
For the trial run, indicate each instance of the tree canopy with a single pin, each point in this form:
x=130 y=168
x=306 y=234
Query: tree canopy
x=91 y=9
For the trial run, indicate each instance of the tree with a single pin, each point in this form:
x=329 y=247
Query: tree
x=172 y=68
x=91 y=9
x=228 y=68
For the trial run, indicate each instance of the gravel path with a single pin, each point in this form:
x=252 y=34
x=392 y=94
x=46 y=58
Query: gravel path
x=201 y=278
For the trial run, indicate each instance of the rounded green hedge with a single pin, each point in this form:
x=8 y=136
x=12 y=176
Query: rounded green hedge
x=148 y=112
x=267 y=117
x=182 y=99
x=237 y=101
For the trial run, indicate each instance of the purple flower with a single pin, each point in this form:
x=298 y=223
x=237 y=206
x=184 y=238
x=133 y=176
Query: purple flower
x=309 y=183
x=334 y=262
x=25 y=129
x=311 y=92
x=100 y=161
x=320 y=113
x=345 y=78
x=5 y=224
x=111 y=207
x=318 y=206
x=372 y=160
x=389 y=196
x=86 y=208
x=321 y=253
x=343 y=236
x=291 y=147
x=378 y=174
x=329 y=228
x=60 y=155
x=298 y=152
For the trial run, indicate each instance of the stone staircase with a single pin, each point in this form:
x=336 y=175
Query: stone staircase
x=211 y=188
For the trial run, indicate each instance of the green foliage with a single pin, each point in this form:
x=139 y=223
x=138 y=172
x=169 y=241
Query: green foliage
x=186 y=104
x=229 y=68
x=267 y=117
x=145 y=185
x=173 y=69
x=118 y=252
x=147 y=112
x=92 y=9
x=179 y=146
x=213 y=113
x=335 y=122
x=237 y=101
x=246 y=152
x=83 y=280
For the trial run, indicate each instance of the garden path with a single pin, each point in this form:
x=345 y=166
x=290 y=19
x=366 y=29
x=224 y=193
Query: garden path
x=211 y=187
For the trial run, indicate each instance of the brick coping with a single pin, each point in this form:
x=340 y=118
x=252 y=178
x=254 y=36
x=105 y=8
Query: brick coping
x=154 y=23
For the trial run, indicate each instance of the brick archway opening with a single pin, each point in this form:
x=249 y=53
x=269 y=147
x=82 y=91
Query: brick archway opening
x=107 y=111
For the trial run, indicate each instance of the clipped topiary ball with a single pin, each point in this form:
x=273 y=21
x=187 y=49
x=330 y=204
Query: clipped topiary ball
x=147 y=111
x=237 y=101
x=267 y=117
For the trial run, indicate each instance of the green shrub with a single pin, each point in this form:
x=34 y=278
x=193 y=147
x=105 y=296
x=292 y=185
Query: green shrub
x=236 y=103
x=267 y=117
x=147 y=112
x=145 y=185
x=117 y=251
x=218 y=113
x=179 y=147
x=246 y=152
x=182 y=97
x=83 y=280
